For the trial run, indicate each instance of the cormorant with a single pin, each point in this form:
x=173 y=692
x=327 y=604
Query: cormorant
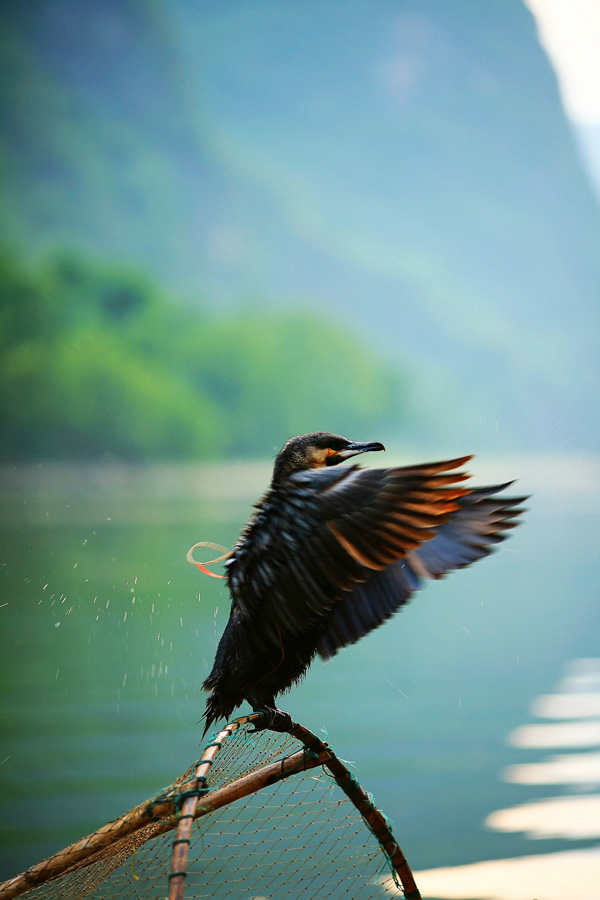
x=332 y=553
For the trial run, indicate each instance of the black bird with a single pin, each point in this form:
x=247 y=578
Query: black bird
x=332 y=553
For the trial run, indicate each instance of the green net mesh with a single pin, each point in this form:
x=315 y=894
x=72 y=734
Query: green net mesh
x=287 y=825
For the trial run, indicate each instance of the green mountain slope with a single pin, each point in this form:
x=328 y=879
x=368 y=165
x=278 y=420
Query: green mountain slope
x=95 y=361
x=404 y=165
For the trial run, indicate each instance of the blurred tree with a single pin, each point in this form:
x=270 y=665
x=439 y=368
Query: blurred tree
x=74 y=385
x=289 y=372
x=95 y=361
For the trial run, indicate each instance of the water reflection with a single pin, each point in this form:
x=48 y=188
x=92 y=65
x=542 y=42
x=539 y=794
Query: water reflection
x=573 y=817
x=554 y=876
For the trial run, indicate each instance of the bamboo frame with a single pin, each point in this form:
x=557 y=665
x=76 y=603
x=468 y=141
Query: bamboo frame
x=320 y=755
x=167 y=812
x=242 y=787
x=373 y=817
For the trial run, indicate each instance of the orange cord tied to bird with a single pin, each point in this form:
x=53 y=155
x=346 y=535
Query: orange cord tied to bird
x=211 y=562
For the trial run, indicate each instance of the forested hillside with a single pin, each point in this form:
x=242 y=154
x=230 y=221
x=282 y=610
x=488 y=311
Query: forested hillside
x=402 y=167
x=97 y=362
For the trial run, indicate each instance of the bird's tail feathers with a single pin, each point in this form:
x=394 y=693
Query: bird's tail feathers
x=215 y=709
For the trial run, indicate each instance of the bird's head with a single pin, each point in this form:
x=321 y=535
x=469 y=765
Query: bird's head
x=316 y=450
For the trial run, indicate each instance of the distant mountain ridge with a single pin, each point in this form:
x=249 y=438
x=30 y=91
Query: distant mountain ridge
x=404 y=165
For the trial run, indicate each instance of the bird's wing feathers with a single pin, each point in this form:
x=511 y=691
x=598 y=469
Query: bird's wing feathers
x=318 y=543
x=468 y=534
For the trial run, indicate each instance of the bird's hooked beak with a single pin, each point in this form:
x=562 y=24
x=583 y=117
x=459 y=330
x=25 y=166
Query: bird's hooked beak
x=352 y=449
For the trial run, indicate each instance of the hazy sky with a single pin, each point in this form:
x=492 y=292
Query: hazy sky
x=569 y=31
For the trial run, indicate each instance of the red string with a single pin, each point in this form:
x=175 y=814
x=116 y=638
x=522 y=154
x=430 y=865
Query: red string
x=208 y=572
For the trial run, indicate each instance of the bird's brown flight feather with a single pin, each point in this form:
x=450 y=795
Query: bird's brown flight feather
x=354 y=522
x=331 y=553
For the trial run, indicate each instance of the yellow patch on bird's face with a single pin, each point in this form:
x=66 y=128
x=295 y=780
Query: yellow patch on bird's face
x=318 y=457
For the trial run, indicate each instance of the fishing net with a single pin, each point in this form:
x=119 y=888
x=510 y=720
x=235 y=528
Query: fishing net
x=260 y=815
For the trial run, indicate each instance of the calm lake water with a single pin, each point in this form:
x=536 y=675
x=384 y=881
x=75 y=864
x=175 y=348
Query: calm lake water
x=107 y=633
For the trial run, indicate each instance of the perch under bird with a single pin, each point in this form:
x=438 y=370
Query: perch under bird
x=331 y=553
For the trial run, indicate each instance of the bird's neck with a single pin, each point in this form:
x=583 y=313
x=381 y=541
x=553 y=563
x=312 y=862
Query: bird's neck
x=284 y=468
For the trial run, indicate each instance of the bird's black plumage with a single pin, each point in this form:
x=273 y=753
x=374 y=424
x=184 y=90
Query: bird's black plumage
x=332 y=553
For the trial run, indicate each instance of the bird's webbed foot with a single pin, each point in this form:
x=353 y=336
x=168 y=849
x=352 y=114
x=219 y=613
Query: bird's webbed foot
x=274 y=719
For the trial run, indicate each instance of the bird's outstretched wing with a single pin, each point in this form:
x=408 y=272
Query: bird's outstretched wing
x=470 y=532
x=329 y=545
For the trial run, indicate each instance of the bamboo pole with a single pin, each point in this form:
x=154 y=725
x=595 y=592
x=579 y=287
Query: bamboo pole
x=161 y=807
x=163 y=811
x=187 y=814
x=373 y=817
x=165 y=808
x=322 y=754
x=249 y=784
x=83 y=850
